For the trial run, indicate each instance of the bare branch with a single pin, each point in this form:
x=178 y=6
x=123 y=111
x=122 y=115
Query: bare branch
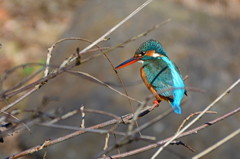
x=197 y=118
x=121 y=119
x=161 y=142
x=219 y=143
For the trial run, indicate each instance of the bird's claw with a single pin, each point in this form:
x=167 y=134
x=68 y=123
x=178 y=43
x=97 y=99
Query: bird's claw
x=156 y=102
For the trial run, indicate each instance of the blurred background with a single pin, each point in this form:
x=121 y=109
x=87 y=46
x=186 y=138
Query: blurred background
x=202 y=38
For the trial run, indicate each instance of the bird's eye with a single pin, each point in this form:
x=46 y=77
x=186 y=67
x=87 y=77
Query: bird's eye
x=141 y=54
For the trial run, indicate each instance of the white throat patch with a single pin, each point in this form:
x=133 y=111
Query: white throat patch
x=156 y=55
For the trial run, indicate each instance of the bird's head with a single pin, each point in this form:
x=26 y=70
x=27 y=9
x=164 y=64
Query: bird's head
x=148 y=50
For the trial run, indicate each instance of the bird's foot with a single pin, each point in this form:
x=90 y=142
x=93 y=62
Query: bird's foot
x=157 y=102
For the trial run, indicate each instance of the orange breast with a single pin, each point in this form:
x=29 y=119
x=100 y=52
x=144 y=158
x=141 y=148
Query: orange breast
x=151 y=88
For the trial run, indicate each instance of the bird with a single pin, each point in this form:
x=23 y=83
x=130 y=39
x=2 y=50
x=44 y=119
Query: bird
x=160 y=75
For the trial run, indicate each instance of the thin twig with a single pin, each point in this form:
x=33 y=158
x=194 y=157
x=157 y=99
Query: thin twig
x=101 y=112
x=219 y=143
x=190 y=116
x=18 y=100
x=45 y=155
x=25 y=125
x=19 y=84
x=11 y=70
x=177 y=142
x=73 y=128
x=74 y=112
x=106 y=142
x=96 y=80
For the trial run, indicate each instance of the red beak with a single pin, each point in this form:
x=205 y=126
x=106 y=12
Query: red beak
x=128 y=62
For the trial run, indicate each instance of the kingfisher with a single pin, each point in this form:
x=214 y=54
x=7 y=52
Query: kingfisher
x=161 y=76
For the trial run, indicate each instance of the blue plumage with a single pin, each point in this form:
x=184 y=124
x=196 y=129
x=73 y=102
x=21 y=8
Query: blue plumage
x=165 y=78
x=178 y=86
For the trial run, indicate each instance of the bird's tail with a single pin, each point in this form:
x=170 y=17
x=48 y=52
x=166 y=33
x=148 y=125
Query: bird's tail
x=176 y=106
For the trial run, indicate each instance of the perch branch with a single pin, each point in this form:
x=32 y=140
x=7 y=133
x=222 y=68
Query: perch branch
x=161 y=142
x=197 y=118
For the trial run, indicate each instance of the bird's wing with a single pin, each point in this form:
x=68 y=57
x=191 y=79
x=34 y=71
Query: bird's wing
x=151 y=87
x=159 y=76
x=185 y=92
